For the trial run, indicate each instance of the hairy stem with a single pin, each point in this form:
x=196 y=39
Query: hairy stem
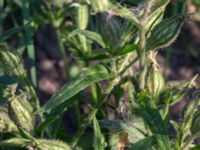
x=142 y=43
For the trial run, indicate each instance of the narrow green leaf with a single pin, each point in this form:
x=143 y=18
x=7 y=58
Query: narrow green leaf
x=41 y=128
x=101 y=54
x=85 y=79
x=98 y=141
x=157 y=126
x=165 y=33
x=126 y=49
x=91 y=35
x=197 y=147
x=144 y=144
x=5 y=35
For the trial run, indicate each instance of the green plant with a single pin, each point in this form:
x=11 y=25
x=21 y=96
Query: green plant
x=116 y=38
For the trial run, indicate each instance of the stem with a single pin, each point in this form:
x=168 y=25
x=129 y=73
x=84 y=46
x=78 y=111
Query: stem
x=62 y=51
x=94 y=93
x=77 y=112
x=29 y=41
x=142 y=43
x=29 y=88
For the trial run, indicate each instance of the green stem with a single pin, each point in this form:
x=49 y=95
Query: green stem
x=29 y=41
x=94 y=93
x=77 y=113
x=142 y=43
x=62 y=51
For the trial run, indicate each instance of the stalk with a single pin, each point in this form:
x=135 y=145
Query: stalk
x=62 y=51
x=142 y=43
x=29 y=41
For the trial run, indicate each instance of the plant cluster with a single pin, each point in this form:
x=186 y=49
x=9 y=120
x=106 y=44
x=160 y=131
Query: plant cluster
x=118 y=47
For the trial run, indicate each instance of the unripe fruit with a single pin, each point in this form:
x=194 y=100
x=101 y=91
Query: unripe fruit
x=154 y=78
x=82 y=17
x=6 y=125
x=21 y=112
x=99 y=5
x=43 y=144
x=10 y=61
x=195 y=129
x=165 y=33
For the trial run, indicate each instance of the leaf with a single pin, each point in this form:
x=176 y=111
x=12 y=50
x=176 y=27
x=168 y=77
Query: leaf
x=165 y=33
x=197 y=147
x=41 y=128
x=99 y=140
x=154 y=120
x=5 y=35
x=144 y=144
x=102 y=54
x=126 y=49
x=85 y=79
x=91 y=35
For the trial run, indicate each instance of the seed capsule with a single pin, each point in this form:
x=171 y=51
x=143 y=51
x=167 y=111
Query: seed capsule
x=6 y=125
x=10 y=61
x=154 y=78
x=15 y=143
x=21 y=112
x=43 y=144
x=82 y=17
x=195 y=129
x=99 y=5
x=165 y=33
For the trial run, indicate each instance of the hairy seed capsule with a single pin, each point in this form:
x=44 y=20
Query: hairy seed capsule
x=21 y=112
x=165 y=33
x=99 y=5
x=6 y=125
x=43 y=144
x=154 y=78
x=14 y=143
x=10 y=61
x=195 y=129
x=82 y=17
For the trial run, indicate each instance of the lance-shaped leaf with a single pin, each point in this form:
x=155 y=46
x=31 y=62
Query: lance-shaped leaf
x=101 y=54
x=98 y=141
x=85 y=79
x=91 y=35
x=165 y=33
x=144 y=144
x=154 y=120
